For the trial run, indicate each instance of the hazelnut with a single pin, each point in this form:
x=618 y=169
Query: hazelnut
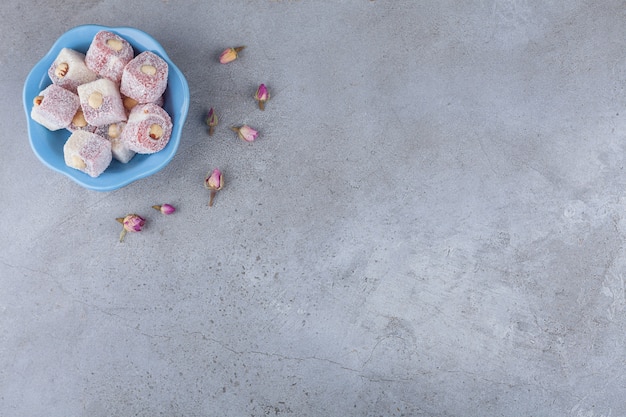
x=114 y=131
x=61 y=69
x=95 y=99
x=79 y=119
x=115 y=44
x=78 y=163
x=148 y=69
x=37 y=100
x=129 y=103
x=156 y=132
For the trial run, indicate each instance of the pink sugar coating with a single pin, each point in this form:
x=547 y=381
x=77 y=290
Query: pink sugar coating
x=93 y=149
x=109 y=112
x=57 y=108
x=77 y=73
x=112 y=108
x=136 y=134
x=143 y=87
x=105 y=61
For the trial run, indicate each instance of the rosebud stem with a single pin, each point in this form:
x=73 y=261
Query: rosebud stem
x=261 y=105
x=239 y=49
x=213 y=192
x=211 y=130
x=122 y=235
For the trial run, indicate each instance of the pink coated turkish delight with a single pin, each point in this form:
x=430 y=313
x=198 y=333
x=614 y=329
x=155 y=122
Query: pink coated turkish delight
x=148 y=130
x=87 y=152
x=101 y=102
x=145 y=78
x=55 y=107
x=108 y=54
x=69 y=70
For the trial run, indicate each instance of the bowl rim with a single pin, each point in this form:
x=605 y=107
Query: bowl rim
x=140 y=41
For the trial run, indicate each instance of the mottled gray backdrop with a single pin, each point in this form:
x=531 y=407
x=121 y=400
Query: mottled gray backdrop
x=431 y=222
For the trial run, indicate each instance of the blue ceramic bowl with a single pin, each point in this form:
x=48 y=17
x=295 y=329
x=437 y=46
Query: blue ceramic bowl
x=48 y=145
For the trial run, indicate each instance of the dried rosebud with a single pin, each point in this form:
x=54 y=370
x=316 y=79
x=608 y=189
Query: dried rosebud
x=213 y=181
x=230 y=54
x=246 y=133
x=165 y=208
x=131 y=223
x=262 y=95
x=211 y=120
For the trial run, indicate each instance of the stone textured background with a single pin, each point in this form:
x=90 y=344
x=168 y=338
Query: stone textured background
x=430 y=224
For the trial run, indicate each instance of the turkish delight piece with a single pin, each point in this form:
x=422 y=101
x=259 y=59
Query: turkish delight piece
x=148 y=130
x=55 y=107
x=87 y=152
x=101 y=102
x=69 y=71
x=108 y=54
x=145 y=78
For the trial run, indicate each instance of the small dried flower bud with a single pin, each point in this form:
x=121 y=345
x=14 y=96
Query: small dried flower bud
x=213 y=181
x=211 y=120
x=246 y=133
x=131 y=223
x=165 y=208
x=230 y=54
x=262 y=95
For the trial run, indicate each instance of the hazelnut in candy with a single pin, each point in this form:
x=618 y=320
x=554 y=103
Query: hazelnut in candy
x=69 y=70
x=87 y=152
x=55 y=107
x=79 y=123
x=108 y=54
x=148 y=130
x=145 y=78
x=101 y=102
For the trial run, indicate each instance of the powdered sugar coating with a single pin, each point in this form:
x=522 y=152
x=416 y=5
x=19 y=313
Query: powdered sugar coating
x=76 y=73
x=111 y=109
x=140 y=85
x=136 y=134
x=106 y=61
x=87 y=152
x=57 y=108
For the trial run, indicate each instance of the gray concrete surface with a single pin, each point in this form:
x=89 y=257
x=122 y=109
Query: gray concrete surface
x=431 y=223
